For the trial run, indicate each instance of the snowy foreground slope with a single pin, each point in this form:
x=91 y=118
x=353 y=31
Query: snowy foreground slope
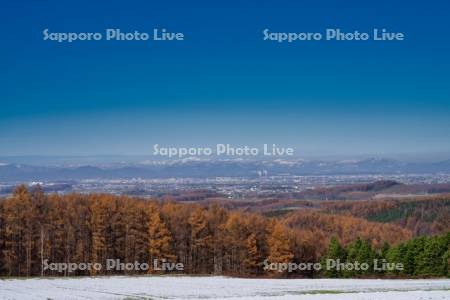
x=143 y=287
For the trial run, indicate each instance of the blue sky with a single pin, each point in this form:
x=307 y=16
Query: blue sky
x=224 y=84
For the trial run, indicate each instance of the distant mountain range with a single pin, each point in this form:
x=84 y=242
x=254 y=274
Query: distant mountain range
x=215 y=168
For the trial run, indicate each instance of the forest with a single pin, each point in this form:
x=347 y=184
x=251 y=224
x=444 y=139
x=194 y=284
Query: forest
x=208 y=238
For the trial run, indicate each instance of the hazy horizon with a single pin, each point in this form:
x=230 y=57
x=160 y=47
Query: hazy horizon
x=118 y=158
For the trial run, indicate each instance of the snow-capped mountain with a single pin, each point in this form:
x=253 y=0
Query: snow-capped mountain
x=215 y=168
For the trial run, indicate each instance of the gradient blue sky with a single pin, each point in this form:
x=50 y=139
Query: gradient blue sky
x=224 y=84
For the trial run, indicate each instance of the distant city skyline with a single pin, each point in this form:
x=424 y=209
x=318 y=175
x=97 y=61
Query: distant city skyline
x=223 y=83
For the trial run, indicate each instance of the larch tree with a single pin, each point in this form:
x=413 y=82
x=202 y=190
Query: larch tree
x=160 y=238
x=200 y=241
x=252 y=259
x=279 y=245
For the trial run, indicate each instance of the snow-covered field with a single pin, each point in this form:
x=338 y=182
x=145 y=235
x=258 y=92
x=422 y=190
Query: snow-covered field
x=183 y=287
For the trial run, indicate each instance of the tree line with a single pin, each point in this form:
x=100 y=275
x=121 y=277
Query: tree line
x=91 y=228
x=419 y=257
x=426 y=215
